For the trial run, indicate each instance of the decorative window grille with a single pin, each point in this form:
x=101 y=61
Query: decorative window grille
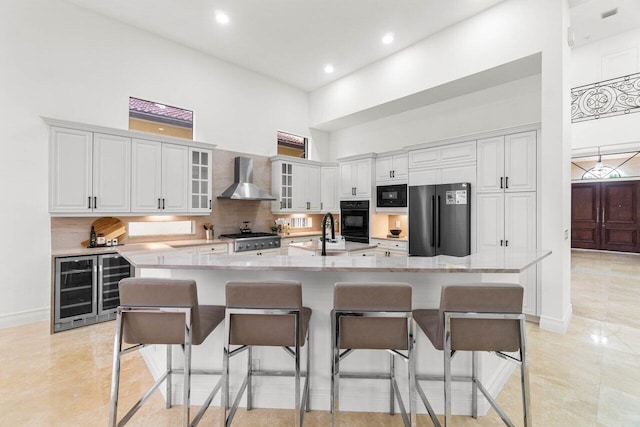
x=607 y=98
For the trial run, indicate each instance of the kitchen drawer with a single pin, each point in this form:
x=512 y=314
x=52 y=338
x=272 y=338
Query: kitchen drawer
x=218 y=248
x=286 y=241
x=391 y=244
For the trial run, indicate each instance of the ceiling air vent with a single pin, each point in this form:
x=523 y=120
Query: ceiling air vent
x=609 y=13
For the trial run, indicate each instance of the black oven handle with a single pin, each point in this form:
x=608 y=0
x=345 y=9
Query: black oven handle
x=438 y=225
x=433 y=221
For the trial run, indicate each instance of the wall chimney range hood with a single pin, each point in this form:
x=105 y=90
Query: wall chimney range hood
x=243 y=187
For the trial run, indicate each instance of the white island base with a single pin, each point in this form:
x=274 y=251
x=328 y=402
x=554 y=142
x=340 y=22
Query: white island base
x=318 y=274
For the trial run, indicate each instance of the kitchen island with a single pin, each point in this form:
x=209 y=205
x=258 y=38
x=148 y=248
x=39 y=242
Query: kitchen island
x=318 y=274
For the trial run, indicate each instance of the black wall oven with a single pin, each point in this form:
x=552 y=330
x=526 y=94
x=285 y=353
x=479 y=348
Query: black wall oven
x=354 y=220
x=391 y=196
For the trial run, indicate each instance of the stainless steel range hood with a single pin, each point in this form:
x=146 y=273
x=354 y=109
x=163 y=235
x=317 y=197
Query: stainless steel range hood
x=243 y=187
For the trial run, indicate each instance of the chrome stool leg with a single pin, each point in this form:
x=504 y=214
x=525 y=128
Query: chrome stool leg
x=115 y=372
x=524 y=375
x=474 y=384
x=168 y=397
x=249 y=378
x=392 y=374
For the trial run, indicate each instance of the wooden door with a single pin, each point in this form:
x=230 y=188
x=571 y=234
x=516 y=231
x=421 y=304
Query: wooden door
x=619 y=216
x=585 y=215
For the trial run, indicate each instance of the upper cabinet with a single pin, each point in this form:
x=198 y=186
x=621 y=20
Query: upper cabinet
x=160 y=178
x=329 y=189
x=392 y=169
x=296 y=185
x=355 y=179
x=443 y=164
x=507 y=163
x=89 y=172
x=99 y=170
x=200 y=186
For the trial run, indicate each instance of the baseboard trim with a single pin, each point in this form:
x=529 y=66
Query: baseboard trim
x=23 y=317
x=557 y=325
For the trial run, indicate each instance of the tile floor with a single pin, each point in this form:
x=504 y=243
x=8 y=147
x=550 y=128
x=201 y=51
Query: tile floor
x=589 y=376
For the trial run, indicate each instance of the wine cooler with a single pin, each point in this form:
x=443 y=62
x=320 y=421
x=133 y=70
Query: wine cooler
x=86 y=289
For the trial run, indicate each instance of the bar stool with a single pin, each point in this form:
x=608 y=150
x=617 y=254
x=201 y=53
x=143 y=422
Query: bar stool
x=483 y=317
x=162 y=311
x=373 y=316
x=265 y=314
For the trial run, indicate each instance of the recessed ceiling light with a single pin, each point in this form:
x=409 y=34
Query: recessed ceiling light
x=328 y=69
x=222 y=18
x=387 y=38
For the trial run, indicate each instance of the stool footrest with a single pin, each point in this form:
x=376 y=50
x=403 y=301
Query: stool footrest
x=267 y=373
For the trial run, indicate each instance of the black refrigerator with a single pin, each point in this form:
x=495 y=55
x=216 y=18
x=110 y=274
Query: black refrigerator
x=440 y=219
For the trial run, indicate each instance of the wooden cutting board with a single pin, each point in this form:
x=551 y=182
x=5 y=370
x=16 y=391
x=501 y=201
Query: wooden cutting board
x=111 y=228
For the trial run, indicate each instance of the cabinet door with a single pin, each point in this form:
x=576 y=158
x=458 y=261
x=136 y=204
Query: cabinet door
x=520 y=162
x=491 y=164
x=299 y=187
x=401 y=168
x=70 y=186
x=146 y=178
x=490 y=221
x=200 y=187
x=111 y=173
x=362 y=178
x=384 y=166
x=175 y=161
x=520 y=233
x=329 y=189
x=313 y=187
x=346 y=180
x=520 y=220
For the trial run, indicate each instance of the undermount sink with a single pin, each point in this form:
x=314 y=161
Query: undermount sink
x=332 y=244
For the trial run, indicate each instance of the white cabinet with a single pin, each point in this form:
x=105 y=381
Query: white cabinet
x=329 y=189
x=508 y=221
x=445 y=164
x=286 y=241
x=306 y=188
x=160 y=177
x=507 y=163
x=355 y=179
x=90 y=172
x=216 y=248
x=200 y=186
x=392 y=169
x=296 y=186
x=390 y=248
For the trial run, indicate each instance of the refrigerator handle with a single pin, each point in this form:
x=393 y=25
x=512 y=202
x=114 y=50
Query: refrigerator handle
x=433 y=221
x=438 y=225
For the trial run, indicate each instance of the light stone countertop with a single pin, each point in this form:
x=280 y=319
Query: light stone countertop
x=493 y=261
x=340 y=247
x=136 y=247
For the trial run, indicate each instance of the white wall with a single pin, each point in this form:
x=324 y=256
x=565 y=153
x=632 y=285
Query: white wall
x=507 y=105
x=605 y=59
x=63 y=62
x=505 y=33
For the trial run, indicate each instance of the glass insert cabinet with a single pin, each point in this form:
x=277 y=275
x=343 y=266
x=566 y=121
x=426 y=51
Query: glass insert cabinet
x=86 y=289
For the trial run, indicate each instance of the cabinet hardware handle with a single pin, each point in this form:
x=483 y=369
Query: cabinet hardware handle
x=280 y=204
x=506 y=182
x=603 y=216
x=506 y=243
x=89 y=202
x=209 y=203
x=159 y=203
x=394 y=174
x=321 y=205
x=95 y=202
x=501 y=242
x=390 y=175
x=597 y=215
x=501 y=179
x=163 y=203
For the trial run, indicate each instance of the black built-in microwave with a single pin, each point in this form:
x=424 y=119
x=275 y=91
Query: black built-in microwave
x=392 y=196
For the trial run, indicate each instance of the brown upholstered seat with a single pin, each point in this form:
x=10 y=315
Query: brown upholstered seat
x=371 y=332
x=162 y=311
x=165 y=328
x=372 y=316
x=264 y=313
x=482 y=317
x=475 y=334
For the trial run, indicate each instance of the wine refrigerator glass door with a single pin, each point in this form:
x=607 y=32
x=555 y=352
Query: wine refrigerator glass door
x=112 y=268
x=75 y=290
